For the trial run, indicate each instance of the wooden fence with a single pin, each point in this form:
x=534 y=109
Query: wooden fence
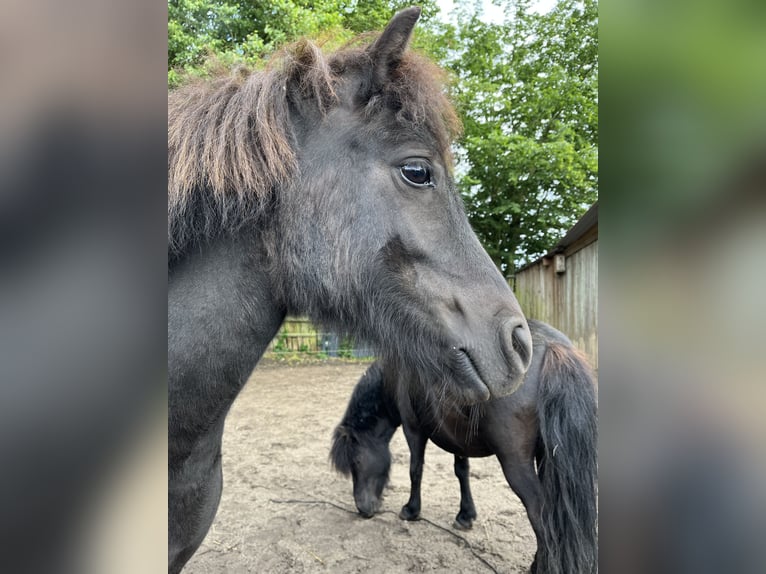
x=298 y=336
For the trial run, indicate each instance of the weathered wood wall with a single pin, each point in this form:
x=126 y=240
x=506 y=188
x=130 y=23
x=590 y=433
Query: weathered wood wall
x=569 y=300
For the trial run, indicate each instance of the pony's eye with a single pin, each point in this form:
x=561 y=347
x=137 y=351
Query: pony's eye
x=417 y=173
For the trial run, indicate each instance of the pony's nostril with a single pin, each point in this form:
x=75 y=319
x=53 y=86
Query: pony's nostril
x=517 y=343
x=522 y=343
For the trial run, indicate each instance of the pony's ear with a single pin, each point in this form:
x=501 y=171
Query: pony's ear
x=387 y=51
x=341 y=453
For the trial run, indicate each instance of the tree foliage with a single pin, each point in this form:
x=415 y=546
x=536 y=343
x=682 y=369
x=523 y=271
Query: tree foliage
x=525 y=86
x=243 y=31
x=527 y=92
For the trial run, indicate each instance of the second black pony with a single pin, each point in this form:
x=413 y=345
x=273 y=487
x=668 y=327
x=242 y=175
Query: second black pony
x=549 y=422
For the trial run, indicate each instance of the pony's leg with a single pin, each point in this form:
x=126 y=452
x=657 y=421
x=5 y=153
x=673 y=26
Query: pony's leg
x=464 y=519
x=417 y=442
x=194 y=491
x=221 y=317
x=522 y=479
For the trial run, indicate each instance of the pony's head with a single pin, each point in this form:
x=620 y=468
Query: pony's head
x=341 y=165
x=360 y=443
x=383 y=248
x=367 y=459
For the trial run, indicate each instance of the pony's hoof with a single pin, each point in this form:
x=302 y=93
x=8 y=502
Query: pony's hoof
x=462 y=524
x=407 y=514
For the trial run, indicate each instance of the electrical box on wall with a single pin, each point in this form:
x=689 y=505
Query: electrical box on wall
x=560 y=263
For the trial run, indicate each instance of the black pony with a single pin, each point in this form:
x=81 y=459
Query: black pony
x=550 y=420
x=319 y=185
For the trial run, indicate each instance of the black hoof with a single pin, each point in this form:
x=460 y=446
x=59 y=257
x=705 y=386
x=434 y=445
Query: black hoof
x=463 y=523
x=407 y=514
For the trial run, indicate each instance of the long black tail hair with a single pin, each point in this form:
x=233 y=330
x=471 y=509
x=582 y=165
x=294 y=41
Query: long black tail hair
x=567 y=463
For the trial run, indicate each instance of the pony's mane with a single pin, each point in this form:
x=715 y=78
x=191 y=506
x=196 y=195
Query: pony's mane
x=366 y=400
x=230 y=142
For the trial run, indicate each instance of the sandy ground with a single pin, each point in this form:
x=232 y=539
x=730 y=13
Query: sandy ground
x=285 y=510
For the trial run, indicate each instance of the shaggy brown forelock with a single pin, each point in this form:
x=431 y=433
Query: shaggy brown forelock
x=229 y=136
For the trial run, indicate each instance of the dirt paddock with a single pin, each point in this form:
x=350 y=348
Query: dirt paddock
x=285 y=510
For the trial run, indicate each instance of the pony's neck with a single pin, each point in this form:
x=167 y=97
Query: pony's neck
x=223 y=312
x=389 y=408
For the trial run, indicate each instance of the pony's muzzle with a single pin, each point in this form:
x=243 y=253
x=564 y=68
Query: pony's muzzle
x=367 y=508
x=367 y=502
x=492 y=346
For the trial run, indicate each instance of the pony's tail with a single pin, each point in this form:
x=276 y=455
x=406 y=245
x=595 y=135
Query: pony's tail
x=566 y=462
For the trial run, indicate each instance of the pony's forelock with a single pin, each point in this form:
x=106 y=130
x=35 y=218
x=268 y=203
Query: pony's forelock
x=342 y=450
x=230 y=141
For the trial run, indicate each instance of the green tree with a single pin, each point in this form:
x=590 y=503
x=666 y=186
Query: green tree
x=234 y=31
x=527 y=92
